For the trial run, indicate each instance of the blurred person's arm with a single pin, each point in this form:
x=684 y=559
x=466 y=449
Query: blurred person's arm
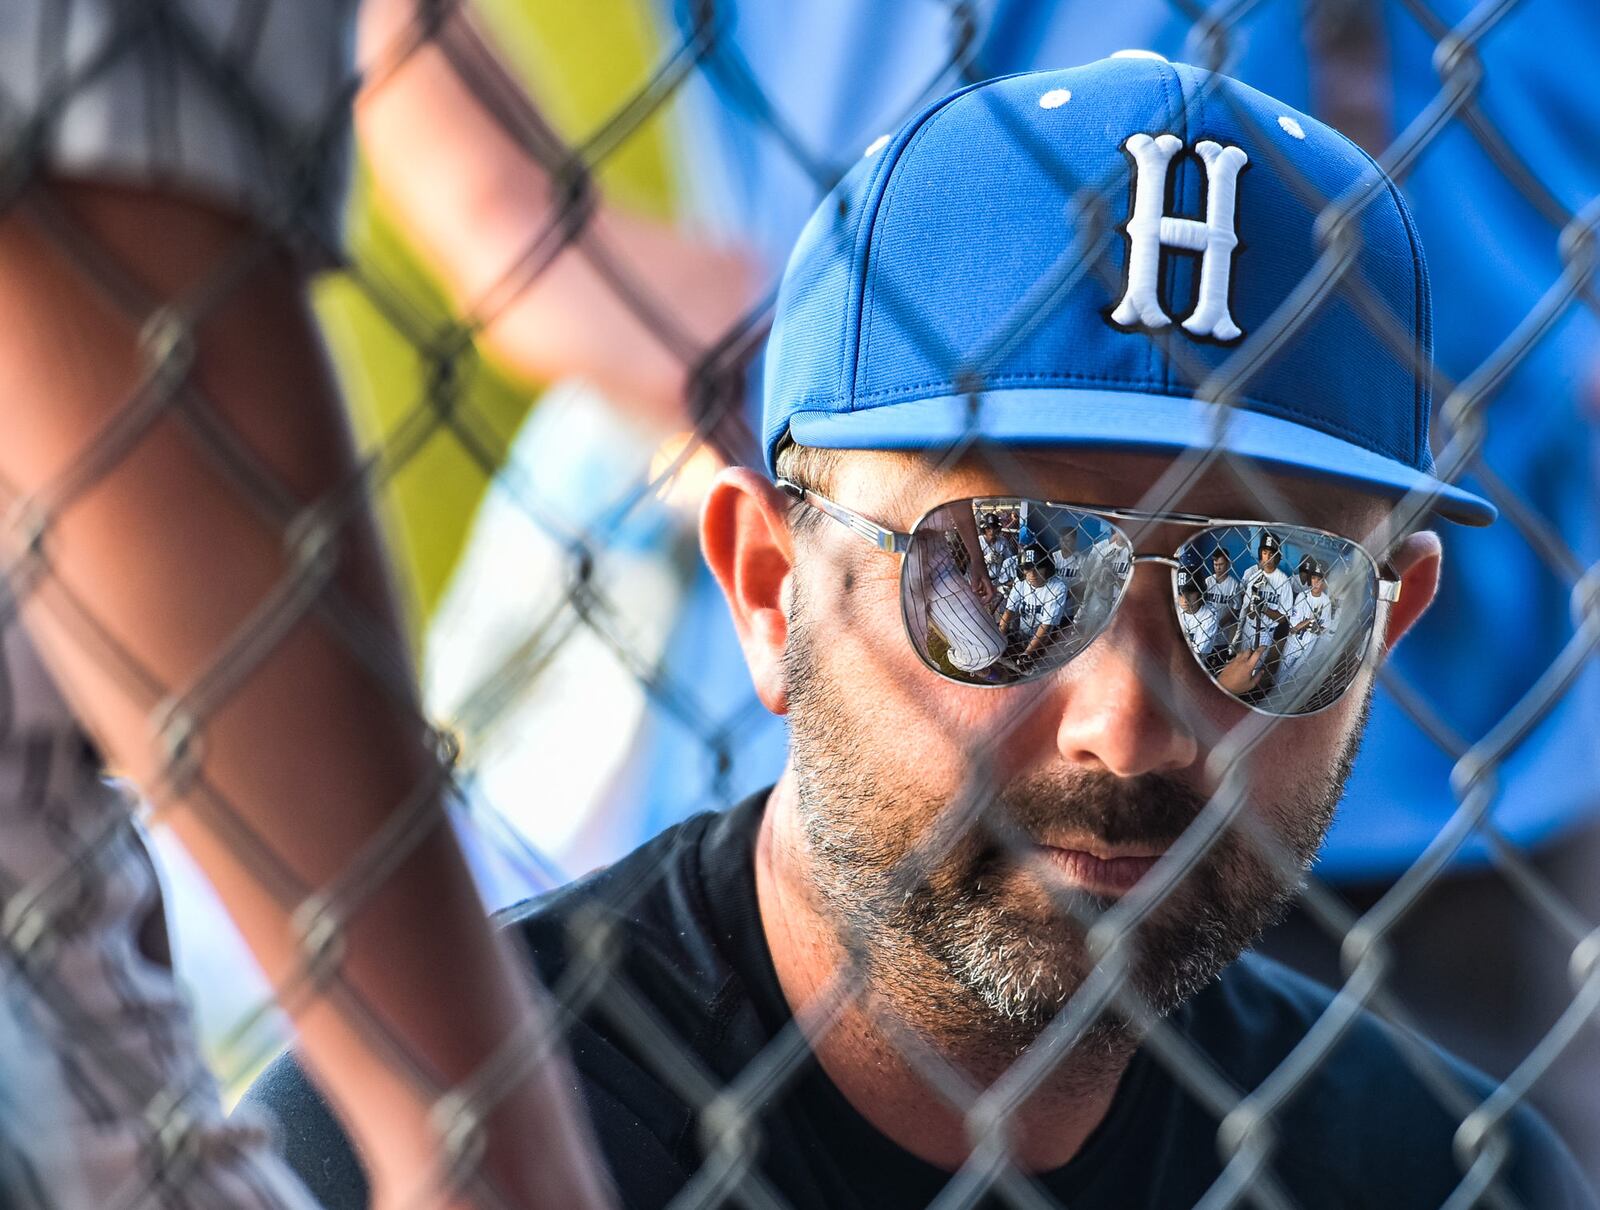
x=476 y=200
x=305 y=757
x=1040 y=634
x=1050 y=618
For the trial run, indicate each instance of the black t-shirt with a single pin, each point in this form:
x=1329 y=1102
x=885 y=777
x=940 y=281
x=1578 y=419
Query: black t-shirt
x=692 y=1007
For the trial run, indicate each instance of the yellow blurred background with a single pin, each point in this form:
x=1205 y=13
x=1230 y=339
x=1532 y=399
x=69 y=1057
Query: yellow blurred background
x=581 y=63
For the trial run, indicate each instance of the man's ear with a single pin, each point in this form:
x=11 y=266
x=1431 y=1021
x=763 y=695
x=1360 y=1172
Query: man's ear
x=745 y=535
x=1416 y=560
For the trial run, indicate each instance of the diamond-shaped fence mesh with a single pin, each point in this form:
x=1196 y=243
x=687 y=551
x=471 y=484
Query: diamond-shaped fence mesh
x=547 y=303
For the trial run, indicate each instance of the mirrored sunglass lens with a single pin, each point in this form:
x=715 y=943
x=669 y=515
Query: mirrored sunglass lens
x=1279 y=617
x=1001 y=590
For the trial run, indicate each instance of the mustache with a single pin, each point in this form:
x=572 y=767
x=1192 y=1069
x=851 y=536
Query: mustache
x=1150 y=809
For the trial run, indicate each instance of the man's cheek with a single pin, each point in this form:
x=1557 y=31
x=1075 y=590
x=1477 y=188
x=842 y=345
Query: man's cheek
x=908 y=716
x=858 y=614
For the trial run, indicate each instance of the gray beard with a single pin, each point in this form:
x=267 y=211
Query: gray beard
x=929 y=922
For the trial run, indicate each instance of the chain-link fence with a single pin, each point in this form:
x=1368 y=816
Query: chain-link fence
x=548 y=311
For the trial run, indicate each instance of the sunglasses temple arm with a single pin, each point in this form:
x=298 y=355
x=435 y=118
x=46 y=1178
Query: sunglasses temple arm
x=888 y=540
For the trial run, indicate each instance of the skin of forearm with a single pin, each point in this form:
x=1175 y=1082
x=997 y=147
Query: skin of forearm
x=307 y=749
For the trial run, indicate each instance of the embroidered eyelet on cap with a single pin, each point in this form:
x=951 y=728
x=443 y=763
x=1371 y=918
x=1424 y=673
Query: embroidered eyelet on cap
x=1291 y=127
x=1055 y=98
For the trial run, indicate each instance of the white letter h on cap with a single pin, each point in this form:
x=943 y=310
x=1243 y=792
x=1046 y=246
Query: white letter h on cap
x=1149 y=229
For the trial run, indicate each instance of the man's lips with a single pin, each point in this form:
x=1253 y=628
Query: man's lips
x=1097 y=868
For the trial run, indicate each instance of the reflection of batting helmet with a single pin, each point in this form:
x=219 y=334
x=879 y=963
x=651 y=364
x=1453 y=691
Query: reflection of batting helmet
x=1187 y=584
x=1269 y=541
x=990 y=521
x=1312 y=567
x=1034 y=557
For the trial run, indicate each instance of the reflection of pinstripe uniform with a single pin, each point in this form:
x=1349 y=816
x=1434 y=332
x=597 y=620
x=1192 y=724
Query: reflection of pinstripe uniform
x=1322 y=613
x=942 y=599
x=1265 y=590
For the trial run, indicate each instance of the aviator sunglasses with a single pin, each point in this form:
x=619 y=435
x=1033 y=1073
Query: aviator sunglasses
x=1002 y=590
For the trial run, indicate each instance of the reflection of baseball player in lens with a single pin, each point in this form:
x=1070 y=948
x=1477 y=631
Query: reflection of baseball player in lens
x=1006 y=578
x=1106 y=566
x=1302 y=576
x=1267 y=598
x=1313 y=615
x=1037 y=604
x=998 y=549
x=1068 y=560
x=1201 y=625
x=946 y=602
x=1222 y=590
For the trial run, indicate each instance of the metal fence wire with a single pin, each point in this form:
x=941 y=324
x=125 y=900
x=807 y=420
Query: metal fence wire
x=49 y=899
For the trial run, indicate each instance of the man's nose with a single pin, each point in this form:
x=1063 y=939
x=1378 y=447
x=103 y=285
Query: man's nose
x=1123 y=707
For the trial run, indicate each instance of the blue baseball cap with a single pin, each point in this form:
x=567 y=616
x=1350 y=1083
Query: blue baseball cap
x=1061 y=259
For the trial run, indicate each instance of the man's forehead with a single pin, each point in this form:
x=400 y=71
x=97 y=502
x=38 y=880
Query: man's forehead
x=905 y=485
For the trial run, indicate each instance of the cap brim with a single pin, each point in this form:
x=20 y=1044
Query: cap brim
x=1123 y=420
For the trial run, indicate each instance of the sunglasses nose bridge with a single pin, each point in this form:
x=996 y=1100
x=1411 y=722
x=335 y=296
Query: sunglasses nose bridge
x=1130 y=592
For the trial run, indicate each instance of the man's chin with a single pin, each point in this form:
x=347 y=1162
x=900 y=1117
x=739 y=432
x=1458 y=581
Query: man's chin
x=1033 y=1002
x=1021 y=954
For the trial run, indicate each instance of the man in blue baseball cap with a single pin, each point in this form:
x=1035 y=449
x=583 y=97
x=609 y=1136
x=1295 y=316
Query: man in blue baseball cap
x=989 y=925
